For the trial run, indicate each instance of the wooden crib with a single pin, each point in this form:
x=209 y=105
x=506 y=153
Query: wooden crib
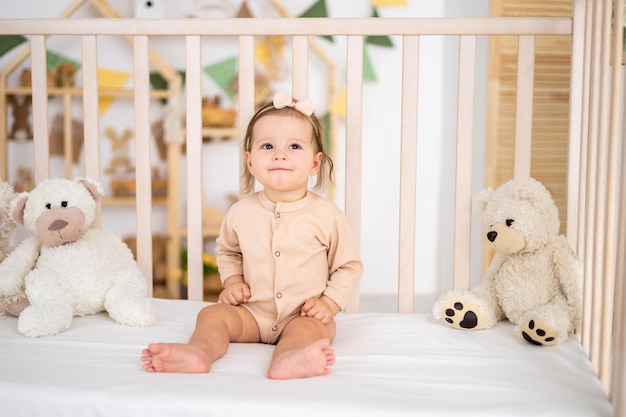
x=596 y=227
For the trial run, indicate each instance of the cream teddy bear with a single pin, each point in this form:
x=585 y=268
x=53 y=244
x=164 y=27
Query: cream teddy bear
x=534 y=279
x=68 y=269
x=15 y=303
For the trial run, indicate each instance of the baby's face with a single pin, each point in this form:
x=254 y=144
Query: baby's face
x=282 y=156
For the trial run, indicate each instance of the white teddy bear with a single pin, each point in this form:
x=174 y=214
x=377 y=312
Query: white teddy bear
x=68 y=269
x=534 y=279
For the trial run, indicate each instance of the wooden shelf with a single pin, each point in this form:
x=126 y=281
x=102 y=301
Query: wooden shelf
x=209 y=133
x=129 y=201
x=207 y=234
x=78 y=92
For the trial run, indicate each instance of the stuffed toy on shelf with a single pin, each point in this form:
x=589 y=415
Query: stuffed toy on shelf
x=534 y=279
x=68 y=269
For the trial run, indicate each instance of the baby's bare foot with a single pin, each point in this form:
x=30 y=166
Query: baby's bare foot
x=312 y=360
x=175 y=357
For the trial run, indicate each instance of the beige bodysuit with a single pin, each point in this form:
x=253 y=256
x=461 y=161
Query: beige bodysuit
x=287 y=253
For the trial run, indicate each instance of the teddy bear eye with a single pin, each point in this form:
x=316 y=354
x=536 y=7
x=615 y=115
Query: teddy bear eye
x=509 y=222
x=48 y=206
x=63 y=203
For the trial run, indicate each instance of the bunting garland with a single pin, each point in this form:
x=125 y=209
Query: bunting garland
x=318 y=9
x=53 y=60
x=387 y=3
x=110 y=79
x=378 y=40
x=223 y=73
x=8 y=42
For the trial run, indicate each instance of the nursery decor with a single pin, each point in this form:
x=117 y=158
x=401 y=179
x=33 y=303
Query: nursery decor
x=534 y=279
x=20 y=128
x=212 y=286
x=68 y=269
x=57 y=135
x=24 y=181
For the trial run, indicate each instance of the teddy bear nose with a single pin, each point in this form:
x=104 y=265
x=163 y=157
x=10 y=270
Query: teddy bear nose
x=57 y=225
x=492 y=236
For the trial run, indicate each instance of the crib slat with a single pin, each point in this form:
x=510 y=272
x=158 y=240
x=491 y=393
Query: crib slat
x=581 y=224
x=465 y=138
x=91 y=123
x=610 y=203
x=597 y=185
x=524 y=105
x=90 y=106
x=618 y=367
x=300 y=71
x=194 y=168
x=40 y=107
x=575 y=123
x=246 y=94
x=142 y=158
x=354 y=131
x=408 y=174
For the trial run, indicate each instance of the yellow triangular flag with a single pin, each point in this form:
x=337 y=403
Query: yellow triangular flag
x=269 y=52
x=263 y=54
x=338 y=105
x=110 y=79
x=383 y=3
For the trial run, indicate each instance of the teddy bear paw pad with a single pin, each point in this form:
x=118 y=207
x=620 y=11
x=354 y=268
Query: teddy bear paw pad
x=538 y=333
x=461 y=315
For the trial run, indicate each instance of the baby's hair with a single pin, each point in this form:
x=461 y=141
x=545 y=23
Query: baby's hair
x=326 y=171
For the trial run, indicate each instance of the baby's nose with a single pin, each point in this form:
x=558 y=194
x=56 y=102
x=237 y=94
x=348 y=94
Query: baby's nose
x=279 y=154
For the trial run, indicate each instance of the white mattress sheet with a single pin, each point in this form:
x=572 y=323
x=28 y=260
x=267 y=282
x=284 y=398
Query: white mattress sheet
x=387 y=365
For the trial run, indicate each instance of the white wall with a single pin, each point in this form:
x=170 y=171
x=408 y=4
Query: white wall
x=435 y=181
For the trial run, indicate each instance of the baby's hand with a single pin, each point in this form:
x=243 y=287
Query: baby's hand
x=235 y=294
x=323 y=309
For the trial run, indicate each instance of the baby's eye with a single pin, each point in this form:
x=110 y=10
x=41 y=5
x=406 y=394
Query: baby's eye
x=63 y=203
x=509 y=222
x=267 y=146
x=295 y=146
x=48 y=206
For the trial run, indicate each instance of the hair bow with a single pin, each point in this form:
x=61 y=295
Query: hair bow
x=304 y=106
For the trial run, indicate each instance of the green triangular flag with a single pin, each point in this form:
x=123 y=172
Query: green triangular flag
x=325 y=122
x=223 y=73
x=318 y=9
x=378 y=40
x=158 y=82
x=368 y=70
x=53 y=60
x=8 y=42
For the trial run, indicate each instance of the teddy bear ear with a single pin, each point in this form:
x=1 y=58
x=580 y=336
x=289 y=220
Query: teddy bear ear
x=531 y=190
x=94 y=188
x=18 y=205
x=481 y=199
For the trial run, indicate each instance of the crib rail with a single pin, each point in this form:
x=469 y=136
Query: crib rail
x=355 y=30
x=591 y=189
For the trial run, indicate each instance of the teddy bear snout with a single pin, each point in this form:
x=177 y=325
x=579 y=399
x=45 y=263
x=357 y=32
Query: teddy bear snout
x=57 y=225
x=492 y=235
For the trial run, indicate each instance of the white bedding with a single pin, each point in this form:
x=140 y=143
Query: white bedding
x=387 y=365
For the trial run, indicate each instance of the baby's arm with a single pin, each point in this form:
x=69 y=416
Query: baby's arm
x=235 y=292
x=323 y=309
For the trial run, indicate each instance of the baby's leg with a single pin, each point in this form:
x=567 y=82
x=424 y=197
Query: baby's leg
x=217 y=325
x=303 y=350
